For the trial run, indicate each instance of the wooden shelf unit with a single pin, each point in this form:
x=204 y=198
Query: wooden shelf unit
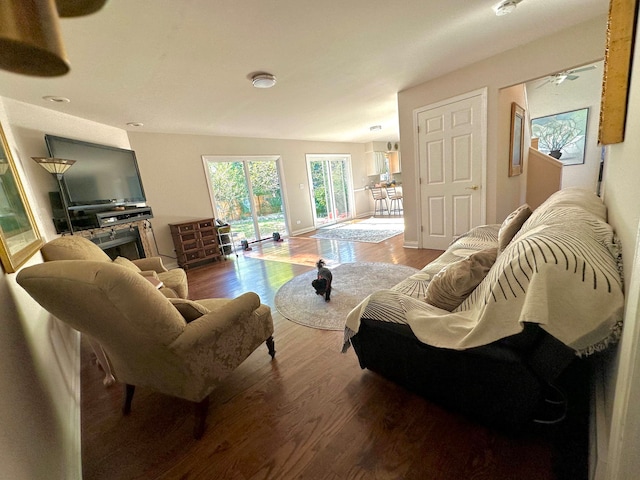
x=195 y=241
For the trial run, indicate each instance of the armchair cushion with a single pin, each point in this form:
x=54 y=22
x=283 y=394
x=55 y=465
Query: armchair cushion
x=189 y=309
x=176 y=280
x=150 y=263
x=125 y=262
x=149 y=273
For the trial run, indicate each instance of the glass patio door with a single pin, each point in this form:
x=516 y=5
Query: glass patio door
x=246 y=194
x=330 y=180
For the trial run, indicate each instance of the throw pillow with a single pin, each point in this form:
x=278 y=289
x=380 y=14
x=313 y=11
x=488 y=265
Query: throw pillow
x=511 y=225
x=189 y=309
x=455 y=282
x=125 y=262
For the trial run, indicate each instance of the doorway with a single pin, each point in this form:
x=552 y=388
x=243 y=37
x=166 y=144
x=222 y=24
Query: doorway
x=246 y=193
x=330 y=181
x=574 y=89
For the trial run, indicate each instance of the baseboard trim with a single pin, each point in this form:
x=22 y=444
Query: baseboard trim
x=302 y=231
x=411 y=245
x=75 y=418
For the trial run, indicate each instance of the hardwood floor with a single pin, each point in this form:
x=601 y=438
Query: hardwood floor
x=310 y=413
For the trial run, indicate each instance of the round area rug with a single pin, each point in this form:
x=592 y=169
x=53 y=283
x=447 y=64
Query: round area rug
x=352 y=282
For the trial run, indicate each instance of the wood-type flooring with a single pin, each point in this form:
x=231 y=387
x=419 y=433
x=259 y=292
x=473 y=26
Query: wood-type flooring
x=312 y=412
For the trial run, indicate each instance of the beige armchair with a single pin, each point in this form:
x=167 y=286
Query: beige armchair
x=175 y=346
x=76 y=247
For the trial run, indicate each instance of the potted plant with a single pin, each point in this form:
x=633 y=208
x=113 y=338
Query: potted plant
x=556 y=134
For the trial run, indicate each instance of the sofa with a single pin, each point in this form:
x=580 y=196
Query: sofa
x=488 y=327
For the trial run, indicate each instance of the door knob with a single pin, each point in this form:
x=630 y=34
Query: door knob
x=472 y=187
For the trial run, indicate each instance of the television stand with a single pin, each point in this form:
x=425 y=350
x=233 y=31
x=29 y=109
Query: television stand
x=127 y=215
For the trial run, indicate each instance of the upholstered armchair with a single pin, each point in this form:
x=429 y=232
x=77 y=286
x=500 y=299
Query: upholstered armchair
x=76 y=247
x=175 y=346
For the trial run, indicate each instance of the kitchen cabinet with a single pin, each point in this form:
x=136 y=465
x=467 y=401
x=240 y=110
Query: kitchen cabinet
x=394 y=162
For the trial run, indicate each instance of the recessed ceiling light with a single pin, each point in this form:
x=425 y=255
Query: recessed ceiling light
x=263 y=80
x=135 y=124
x=505 y=7
x=373 y=128
x=56 y=99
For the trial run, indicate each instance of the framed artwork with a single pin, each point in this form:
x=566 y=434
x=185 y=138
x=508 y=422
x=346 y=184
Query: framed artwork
x=617 y=70
x=19 y=236
x=516 y=142
x=562 y=135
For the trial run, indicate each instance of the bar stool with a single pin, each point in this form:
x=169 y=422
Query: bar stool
x=380 y=199
x=396 y=200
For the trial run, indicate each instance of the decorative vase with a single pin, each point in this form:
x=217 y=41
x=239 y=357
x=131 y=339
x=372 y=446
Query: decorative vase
x=555 y=154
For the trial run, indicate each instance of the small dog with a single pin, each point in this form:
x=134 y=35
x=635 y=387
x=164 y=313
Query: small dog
x=322 y=284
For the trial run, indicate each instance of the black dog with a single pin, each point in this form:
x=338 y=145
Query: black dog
x=322 y=284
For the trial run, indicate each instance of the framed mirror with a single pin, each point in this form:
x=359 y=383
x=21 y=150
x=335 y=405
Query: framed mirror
x=516 y=141
x=19 y=236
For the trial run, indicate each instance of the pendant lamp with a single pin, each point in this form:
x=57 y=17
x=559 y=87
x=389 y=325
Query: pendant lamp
x=30 y=40
x=78 y=8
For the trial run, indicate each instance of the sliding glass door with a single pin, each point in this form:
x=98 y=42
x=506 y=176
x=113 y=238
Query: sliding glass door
x=246 y=193
x=330 y=180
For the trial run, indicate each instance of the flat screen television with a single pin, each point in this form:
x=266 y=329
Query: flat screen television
x=102 y=176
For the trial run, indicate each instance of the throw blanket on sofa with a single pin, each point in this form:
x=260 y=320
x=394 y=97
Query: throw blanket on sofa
x=560 y=271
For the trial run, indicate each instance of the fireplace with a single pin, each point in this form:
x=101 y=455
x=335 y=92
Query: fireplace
x=125 y=242
x=129 y=240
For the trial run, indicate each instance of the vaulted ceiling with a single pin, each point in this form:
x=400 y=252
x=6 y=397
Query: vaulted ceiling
x=185 y=66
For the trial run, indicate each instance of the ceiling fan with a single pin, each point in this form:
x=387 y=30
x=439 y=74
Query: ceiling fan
x=560 y=77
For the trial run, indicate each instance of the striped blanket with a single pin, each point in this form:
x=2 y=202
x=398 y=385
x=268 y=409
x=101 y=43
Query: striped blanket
x=562 y=271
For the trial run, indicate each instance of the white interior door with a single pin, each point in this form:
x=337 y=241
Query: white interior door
x=451 y=138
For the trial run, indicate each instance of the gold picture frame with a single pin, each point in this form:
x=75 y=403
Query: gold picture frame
x=19 y=235
x=516 y=141
x=617 y=70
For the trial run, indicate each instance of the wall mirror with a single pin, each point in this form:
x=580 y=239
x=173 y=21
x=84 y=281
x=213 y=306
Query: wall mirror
x=19 y=236
x=516 y=142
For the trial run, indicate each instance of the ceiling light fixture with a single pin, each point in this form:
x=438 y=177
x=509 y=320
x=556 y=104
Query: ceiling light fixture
x=505 y=7
x=374 y=128
x=560 y=77
x=56 y=99
x=263 y=80
x=135 y=124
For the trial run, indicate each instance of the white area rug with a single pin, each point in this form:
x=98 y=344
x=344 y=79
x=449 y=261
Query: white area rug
x=352 y=282
x=371 y=230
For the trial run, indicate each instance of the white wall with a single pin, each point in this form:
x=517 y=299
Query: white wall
x=175 y=184
x=514 y=191
x=622 y=196
x=576 y=46
x=40 y=374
